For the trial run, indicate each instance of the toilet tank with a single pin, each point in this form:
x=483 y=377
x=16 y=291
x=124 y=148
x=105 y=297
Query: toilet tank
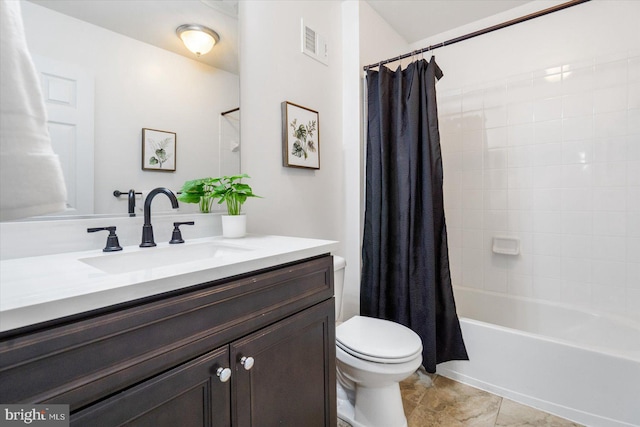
x=339 y=264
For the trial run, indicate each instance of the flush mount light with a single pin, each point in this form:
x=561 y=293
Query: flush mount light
x=197 y=38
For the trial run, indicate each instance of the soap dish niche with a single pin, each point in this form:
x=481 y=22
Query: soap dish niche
x=506 y=245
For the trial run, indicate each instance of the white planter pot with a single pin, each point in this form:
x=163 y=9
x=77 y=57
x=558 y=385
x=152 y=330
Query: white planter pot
x=234 y=226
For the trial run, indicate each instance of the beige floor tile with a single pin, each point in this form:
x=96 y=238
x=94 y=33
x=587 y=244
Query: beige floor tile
x=514 y=414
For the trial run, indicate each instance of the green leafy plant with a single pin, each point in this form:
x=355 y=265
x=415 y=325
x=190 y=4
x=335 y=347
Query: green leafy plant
x=228 y=189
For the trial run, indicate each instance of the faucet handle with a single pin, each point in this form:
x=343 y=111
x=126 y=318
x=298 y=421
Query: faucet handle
x=176 y=237
x=113 y=244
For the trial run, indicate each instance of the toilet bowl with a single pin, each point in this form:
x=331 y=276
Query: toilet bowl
x=372 y=357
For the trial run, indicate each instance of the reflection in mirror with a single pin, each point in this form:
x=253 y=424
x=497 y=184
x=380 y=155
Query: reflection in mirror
x=103 y=87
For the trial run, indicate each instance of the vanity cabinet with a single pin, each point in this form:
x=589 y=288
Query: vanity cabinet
x=162 y=361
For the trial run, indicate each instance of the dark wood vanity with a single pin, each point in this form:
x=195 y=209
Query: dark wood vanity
x=161 y=361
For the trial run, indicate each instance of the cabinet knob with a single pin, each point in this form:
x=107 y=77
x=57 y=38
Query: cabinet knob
x=224 y=374
x=247 y=362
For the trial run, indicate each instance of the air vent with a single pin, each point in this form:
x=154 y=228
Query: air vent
x=314 y=44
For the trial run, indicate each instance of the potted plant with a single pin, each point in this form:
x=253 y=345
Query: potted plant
x=229 y=190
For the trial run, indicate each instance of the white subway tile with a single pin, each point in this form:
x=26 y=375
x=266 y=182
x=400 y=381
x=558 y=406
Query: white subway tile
x=472 y=218
x=472 y=99
x=547 y=288
x=577 y=105
x=609 y=248
x=634 y=96
x=471 y=179
x=520 y=157
x=496 y=138
x=520 y=113
x=547 y=86
x=471 y=160
x=613 y=98
x=520 y=199
x=633 y=127
x=612 y=174
x=520 y=285
x=495 y=95
x=495 y=116
x=610 y=124
x=520 y=177
x=577 y=80
x=576 y=293
x=547 y=109
x=577 y=199
x=495 y=199
x=547 y=176
x=520 y=221
x=547 y=199
x=472 y=140
x=472 y=120
x=547 y=222
x=633 y=275
x=577 y=246
x=609 y=223
x=633 y=249
x=520 y=134
x=609 y=199
x=611 y=150
x=610 y=73
x=495 y=220
x=548 y=244
x=634 y=70
x=576 y=270
x=633 y=224
x=609 y=273
x=494 y=179
x=472 y=199
x=472 y=238
x=577 y=175
x=577 y=128
x=580 y=151
x=547 y=154
x=549 y=131
x=495 y=158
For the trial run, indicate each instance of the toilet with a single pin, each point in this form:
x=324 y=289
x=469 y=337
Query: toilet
x=372 y=357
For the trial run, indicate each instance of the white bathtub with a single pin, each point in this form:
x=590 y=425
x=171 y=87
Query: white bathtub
x=574 y=364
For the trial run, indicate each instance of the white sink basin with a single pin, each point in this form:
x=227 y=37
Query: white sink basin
x=147 y=258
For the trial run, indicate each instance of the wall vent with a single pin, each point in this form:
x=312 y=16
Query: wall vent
x=314 y=44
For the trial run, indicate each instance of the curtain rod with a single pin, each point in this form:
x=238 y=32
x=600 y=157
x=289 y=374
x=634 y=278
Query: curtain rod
x=230 y=111
x=481 y=32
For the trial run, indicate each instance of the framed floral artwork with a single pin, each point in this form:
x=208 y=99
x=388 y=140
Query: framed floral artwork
x=158 y=150
x=300 y=136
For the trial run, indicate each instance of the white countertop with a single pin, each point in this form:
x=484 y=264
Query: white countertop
x=38 y=289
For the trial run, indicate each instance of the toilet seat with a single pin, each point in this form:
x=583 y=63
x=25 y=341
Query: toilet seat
x=378 y=340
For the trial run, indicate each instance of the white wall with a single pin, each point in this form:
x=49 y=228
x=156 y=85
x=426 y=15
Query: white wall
x=138 y=86
x=297 y=202
x=540 y=138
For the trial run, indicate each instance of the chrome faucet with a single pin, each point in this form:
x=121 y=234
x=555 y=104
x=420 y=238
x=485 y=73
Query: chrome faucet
x=147 y=228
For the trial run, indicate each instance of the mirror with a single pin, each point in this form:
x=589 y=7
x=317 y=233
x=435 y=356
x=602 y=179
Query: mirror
x=117 y=67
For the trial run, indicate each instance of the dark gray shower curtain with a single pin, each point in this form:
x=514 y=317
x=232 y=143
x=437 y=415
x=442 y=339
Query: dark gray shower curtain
x=405 y=271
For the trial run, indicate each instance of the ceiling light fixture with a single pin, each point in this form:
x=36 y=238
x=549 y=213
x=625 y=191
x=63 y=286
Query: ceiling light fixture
x=197 y=38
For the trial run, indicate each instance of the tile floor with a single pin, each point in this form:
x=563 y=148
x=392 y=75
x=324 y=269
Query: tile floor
x=435 y=401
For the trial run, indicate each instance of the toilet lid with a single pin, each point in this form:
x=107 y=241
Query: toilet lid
x=378 y=340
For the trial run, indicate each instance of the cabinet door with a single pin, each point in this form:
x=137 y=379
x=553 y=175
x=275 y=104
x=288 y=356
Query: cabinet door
x=292 y=380
x=190 y=395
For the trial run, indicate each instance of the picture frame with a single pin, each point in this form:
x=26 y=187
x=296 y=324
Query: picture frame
x=300 y=136
x=158 y=150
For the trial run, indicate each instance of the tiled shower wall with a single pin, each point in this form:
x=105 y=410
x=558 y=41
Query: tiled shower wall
x=551 y=157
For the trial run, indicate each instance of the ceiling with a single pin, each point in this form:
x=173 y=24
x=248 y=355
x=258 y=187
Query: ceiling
x=149 y=21
x=154 y=22
x=416 y=20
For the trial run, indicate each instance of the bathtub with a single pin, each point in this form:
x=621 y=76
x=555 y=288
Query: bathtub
x=578 y=365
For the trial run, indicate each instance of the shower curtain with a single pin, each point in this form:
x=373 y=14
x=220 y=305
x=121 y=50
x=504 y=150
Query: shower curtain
x=405 y=270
